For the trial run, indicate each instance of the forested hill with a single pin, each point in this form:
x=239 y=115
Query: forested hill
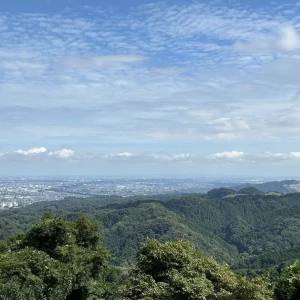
x=284 y=186
x=251 y=231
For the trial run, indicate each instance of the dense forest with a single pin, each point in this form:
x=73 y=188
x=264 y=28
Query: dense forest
x=60 y=259
x=189 y=246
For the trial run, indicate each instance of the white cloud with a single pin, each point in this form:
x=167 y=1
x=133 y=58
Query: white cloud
x=171 y=157
x=118 y=155
x=64 y=153
x=287 y=40
x=295 y=155
x=228 y=155
x=158 y=77
x=32 y=151
x=38 y=154
x=275 y=155
x=125 y=154
x=279 y=156
x=192 y=162
x=148 y=157
x=264 y=157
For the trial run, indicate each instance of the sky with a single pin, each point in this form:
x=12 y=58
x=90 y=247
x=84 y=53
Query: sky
x=171 y=88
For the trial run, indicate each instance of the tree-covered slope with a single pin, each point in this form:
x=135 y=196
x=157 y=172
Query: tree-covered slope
x=235 y=229
x=126 y=224
x=152 y=219
x=60 y=259
x=253 y=223
x=284 y=186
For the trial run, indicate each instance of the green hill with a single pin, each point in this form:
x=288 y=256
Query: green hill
x=245 y=228
x=284 y=186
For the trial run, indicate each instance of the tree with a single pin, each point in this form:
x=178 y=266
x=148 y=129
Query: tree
x=220 y=193
x=175 y=270
x=288 y=285
x=250 y=191
x=56 y=259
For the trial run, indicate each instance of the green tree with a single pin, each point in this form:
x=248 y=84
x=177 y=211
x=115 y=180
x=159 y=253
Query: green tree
x=250 y=191
x=220 y=193
x=288 y=285
x=56 y=259
x=175 y=270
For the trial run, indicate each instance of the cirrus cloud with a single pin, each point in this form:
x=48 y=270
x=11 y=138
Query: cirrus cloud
x=149 y=80
x=105 y=61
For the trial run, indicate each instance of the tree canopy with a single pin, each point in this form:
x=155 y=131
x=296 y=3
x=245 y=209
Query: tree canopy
x=175 y=270
x=61 y=259
x=56 y=259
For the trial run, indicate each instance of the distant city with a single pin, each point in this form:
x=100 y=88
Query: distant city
x=21 y=191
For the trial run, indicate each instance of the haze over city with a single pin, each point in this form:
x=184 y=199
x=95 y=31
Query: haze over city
x=187 y=88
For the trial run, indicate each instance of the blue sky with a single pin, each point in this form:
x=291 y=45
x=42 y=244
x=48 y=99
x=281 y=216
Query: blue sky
x=150 y=87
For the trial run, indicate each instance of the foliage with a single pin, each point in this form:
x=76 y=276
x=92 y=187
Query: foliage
x=288 y=285
x=175 y=270
x=252 y=233
x=250 y=191
x=220 y=193
x=56 y=259
x=284 y=186
x=62 y=259
x=32 y=274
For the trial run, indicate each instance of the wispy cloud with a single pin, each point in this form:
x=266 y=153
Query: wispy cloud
x=106 y=61
x=148 y=157
x=287 y=40
x=162 y=158
x=264 y=157
x=155 y=76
